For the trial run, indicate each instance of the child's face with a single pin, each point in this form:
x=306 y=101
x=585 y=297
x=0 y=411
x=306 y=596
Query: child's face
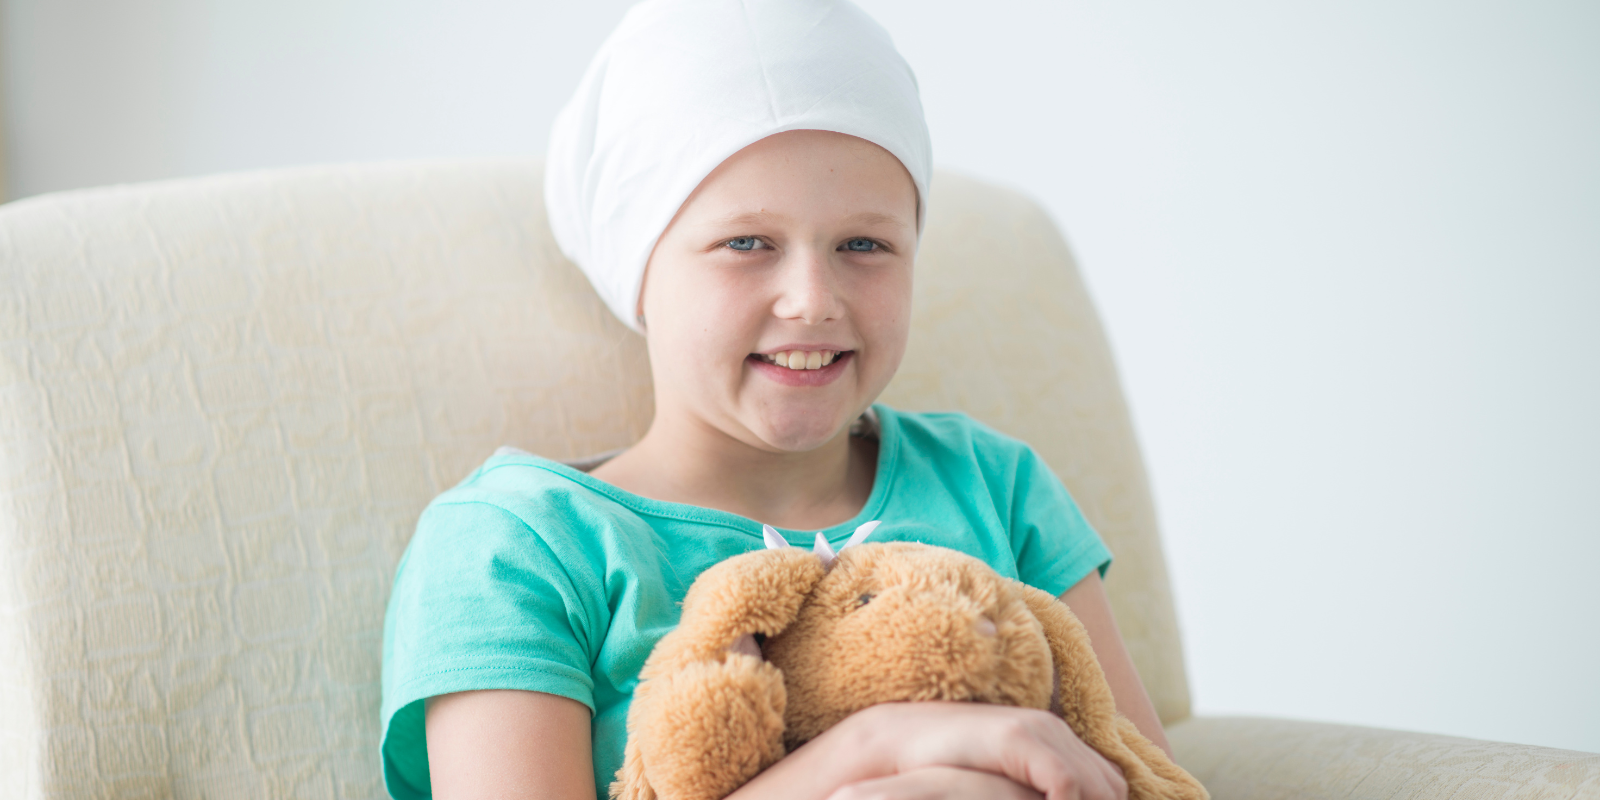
x=801 y=242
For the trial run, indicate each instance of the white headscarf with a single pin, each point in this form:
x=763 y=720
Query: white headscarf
x=681 y=85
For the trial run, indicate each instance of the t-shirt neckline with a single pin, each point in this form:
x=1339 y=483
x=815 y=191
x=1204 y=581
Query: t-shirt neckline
x=888 y=460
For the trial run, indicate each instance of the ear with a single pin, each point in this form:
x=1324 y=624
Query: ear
x=1084 y=700
x=755 y=593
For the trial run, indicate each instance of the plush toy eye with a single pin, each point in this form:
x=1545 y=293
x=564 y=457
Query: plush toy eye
x=863 y=600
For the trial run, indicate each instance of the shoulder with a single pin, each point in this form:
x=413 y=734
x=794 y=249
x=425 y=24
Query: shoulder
x=519 y=502
x=1018 y=515
x=947 y=436
x=952 y=450
x=530 y=487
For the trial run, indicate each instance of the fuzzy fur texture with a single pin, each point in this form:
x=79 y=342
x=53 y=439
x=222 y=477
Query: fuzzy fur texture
x=888 y=622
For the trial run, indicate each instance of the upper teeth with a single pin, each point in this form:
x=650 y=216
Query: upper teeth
x=802 y=359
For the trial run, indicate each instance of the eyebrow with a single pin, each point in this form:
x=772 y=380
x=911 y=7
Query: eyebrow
x=768 y=217
x=873 y=218
x=747 y=218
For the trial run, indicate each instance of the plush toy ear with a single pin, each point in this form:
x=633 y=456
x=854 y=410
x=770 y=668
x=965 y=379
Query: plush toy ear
x=1084 y=700
x=707 y=714
x=759 y=592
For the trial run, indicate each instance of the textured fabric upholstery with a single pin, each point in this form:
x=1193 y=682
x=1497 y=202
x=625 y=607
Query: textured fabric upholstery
x=224 y=401
x=1274 y=759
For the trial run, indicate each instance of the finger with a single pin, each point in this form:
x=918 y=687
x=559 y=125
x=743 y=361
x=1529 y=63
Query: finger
x=1115 y=779
x=1054 y=761
x=1101 y=779
x=1030 y=747
x=937 y=783
x=1104 y=779
x=1067 y=768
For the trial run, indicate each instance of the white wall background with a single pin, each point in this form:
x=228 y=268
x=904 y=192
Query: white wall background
x=1348 y=252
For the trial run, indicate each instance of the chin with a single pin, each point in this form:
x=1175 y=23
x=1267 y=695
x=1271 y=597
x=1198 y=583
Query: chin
x=800 y=430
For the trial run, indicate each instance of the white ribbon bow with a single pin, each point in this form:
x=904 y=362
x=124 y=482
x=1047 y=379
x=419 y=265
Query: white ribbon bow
x=824 y=551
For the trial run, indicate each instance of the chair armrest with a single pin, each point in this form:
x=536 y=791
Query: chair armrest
x=1249 y=759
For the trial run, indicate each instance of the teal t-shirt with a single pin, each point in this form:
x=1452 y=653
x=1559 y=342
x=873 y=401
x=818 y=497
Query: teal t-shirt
x=533 y=575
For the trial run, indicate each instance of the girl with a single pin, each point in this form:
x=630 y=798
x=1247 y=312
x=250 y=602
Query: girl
x=745 y=184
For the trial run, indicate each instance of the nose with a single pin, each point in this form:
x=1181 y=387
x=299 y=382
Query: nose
x=807 y=288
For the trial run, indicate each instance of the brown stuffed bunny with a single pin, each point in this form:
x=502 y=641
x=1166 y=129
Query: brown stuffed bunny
x=877 y=623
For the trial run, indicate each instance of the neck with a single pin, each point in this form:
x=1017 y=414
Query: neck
x=683 y=459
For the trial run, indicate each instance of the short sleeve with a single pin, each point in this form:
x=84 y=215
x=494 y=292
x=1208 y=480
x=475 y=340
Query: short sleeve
x=479 y=602
x=1055 y=546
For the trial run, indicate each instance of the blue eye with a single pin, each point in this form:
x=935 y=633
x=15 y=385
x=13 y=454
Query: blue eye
x=744 y=243
x=861 y=245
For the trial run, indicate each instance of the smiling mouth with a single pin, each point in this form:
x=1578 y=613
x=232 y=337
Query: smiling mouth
x=803 y=359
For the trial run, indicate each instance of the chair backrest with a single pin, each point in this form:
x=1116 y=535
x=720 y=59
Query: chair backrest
x=224 y=401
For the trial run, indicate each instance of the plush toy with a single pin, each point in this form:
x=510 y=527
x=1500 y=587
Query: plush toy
x=777 y=645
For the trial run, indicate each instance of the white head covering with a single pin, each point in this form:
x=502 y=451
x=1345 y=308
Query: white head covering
x=681 y=85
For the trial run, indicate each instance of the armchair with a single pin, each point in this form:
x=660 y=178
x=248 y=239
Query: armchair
x=224 y=401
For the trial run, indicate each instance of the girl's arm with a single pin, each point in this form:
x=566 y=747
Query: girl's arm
x=506 y=743
x=1089 y=604
x=514 y=743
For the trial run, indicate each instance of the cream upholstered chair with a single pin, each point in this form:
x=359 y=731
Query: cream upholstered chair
x=224 y=401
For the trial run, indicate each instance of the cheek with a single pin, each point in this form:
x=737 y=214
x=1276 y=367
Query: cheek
x=883 y=312
x=692 y=311
x=892 y=289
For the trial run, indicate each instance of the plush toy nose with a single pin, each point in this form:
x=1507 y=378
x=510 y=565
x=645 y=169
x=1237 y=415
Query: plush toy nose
x=986 y=627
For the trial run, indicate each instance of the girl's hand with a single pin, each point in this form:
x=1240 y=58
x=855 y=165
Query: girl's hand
x=1032 y=748
x=937 y=783
x=882 y=747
